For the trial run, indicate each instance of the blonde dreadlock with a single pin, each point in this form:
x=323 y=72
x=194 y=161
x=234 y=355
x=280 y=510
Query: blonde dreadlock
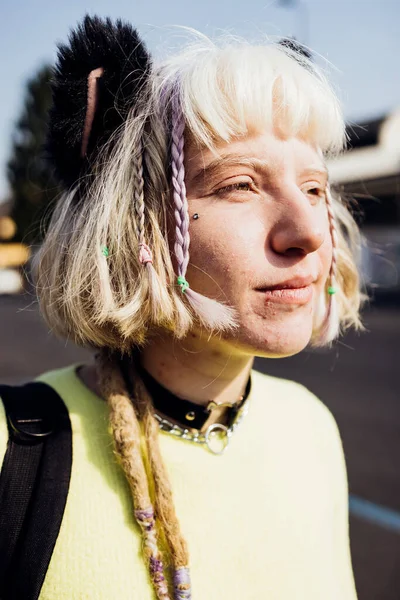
x=126 y=418
x=163 y=493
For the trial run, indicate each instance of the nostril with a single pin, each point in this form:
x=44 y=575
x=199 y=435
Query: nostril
x=294 y=251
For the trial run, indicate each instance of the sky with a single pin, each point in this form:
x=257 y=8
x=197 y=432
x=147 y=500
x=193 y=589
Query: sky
x=358 y=42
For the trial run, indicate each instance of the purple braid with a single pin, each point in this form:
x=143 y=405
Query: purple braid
x=210 y=312
x=182 y=237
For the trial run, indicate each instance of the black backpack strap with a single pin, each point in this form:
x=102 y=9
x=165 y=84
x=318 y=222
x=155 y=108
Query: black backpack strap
x=34 y=483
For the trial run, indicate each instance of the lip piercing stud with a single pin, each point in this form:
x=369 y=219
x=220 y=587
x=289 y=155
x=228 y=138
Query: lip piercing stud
x=195 y=216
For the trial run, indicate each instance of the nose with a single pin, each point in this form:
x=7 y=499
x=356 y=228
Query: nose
x=301 y=225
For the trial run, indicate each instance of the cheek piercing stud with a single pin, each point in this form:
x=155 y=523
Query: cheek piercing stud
x=195 y=216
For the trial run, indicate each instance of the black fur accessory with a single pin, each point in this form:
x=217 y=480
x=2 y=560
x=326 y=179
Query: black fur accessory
x=117 y=50
x=296 y=47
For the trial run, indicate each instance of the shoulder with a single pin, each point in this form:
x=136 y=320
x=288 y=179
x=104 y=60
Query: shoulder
x=295 y=404
x=59 y=379
x=76 y=396
x=88 y=413
x=299 y=424
x=70 y=387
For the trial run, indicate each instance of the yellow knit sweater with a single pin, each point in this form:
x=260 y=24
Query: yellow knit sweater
x=267 y=520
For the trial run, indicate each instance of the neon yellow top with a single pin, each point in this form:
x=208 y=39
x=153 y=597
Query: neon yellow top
x=266 y=520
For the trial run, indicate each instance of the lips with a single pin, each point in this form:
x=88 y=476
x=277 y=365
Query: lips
x=295 y=291
x=294 y=283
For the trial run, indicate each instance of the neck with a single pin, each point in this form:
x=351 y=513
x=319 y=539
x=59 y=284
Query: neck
x=198 y=369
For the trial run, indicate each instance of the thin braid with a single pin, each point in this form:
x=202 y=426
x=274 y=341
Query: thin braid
x=163 y=494
x=159 y=296
x=182 y=236
x=145 y=254
x=138 y=193
x=330 y=326
x=335 y=240
x=211 y=313
x=126 y=432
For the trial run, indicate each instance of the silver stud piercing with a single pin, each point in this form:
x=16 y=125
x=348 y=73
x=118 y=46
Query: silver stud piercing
x=195 y=216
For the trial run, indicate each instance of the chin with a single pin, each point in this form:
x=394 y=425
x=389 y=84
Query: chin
x=275 y=340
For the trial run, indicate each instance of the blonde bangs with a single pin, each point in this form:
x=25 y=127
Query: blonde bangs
x=228 y=91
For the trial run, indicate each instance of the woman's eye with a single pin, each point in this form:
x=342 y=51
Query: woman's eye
x=316 y=191
x=240 y=186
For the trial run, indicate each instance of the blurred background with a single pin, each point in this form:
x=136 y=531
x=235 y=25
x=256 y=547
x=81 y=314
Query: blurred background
x=358 y=43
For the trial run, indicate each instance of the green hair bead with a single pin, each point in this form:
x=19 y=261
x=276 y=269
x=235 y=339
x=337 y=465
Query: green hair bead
x=105 y=251
x=183 y=283
x=331 y=290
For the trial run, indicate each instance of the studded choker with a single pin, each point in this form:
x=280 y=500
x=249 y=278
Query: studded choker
x=189 y=417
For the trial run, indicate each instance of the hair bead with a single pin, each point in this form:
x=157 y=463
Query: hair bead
x=182 y=585
x=184 y=285
x=145 y=254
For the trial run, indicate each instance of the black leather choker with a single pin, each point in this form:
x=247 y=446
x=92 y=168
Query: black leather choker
x=184 y=412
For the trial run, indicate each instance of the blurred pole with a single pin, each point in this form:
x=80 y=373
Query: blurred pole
x=302 y=18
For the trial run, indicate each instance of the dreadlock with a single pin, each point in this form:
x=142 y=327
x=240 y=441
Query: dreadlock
x=130 y=418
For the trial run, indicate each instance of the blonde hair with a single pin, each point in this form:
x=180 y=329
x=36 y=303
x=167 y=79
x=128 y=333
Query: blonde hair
x=225 y=89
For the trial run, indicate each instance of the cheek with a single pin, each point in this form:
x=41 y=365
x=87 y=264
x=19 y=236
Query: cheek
x=224 y=243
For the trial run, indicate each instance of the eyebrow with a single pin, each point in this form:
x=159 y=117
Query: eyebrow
x=231 y=160
x=258 y=165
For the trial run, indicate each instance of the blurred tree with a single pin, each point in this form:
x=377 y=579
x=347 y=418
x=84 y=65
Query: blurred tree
x=32 y=183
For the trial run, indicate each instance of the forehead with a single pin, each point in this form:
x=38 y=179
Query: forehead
x=272 y=151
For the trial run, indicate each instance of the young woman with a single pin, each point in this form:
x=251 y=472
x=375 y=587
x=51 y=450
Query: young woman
x=197 y=231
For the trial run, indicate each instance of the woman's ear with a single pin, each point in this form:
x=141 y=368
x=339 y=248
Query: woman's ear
x=99 y=77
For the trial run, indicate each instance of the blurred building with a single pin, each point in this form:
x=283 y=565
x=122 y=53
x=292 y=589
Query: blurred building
x=12 y=255
x=369 y=172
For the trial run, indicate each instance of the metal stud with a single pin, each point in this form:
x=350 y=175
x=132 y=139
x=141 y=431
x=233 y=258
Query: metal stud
x=190 y=416
x=195 y=216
